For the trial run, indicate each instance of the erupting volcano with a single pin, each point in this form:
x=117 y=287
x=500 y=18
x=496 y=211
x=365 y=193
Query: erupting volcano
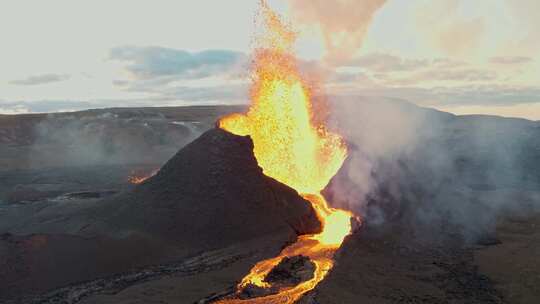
x=293 y=147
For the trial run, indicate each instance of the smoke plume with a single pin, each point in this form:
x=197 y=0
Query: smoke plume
x=108 y=137
x=433 y=170
x=343 y=23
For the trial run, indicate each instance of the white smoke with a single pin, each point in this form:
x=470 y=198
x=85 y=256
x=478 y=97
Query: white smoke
x=432 y=168
x=343 y=23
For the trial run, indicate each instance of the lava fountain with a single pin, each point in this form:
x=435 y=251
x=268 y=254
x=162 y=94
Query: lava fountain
x=293 y=148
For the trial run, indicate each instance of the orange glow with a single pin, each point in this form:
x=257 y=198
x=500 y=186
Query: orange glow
x=136 y=178
x=292 y=149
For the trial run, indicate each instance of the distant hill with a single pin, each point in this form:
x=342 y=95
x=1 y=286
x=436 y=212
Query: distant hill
x=104 y=136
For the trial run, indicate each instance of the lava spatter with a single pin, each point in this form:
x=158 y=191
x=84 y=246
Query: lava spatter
x=291 y=148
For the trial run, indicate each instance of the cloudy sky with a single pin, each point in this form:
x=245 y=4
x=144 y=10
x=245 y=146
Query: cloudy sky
x=457 y=55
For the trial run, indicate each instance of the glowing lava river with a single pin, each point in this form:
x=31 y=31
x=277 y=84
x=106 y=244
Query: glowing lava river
x=291 y=147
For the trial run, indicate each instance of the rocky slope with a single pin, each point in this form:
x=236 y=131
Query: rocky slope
x=211 y=195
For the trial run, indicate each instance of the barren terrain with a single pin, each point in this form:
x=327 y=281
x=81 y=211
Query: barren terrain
x=452 y=216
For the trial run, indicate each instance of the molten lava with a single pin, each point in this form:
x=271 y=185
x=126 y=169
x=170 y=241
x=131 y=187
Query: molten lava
x=138 y=178
x=291 y=148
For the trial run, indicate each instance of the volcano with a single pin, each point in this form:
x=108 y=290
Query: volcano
x=124 y=249
x=211 y=195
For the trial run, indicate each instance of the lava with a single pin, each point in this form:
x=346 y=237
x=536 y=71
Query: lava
x=291 y=147
x=137 y=178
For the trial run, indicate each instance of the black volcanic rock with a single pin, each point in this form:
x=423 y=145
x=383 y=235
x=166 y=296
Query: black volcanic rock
x=211 y=194
x=292 y=271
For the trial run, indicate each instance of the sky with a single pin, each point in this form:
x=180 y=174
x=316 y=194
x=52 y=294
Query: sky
x=461 y=56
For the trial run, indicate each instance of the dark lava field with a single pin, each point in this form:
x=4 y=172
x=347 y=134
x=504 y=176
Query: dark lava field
x=450 y=207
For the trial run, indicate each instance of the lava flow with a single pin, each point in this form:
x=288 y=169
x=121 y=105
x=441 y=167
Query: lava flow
x=138 y=178
x=291 y=148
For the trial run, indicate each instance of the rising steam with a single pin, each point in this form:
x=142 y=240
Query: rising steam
x=433 y=169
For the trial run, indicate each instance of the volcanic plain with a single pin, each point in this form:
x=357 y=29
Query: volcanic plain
x=449 y=207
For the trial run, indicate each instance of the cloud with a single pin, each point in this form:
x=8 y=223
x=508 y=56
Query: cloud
x=448 y=63
x=152 y=62
x=510 y=60
x=459 y=38
x=45 y=106
x=462 y=75
x=530 y=111
x=357 y=78
x=438 y=97
x=218 y=76
x=447 y=30
x=40 y=79
x=488 y=95
x=526 y=16
x=51 y=106
x=219 y=94
x=13 y=109
x=434 y=82
x=230 y=93
x=394 y=70
x=381 y=62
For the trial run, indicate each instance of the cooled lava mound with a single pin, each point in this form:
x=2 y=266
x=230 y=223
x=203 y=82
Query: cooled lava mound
x=210 y=195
